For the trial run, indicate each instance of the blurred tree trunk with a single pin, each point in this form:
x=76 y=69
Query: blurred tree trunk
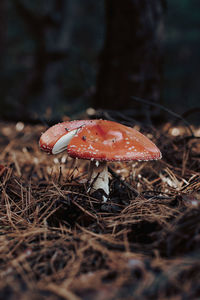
x=131 y=61
x=3 y=43
x=43 y=83
x=2 y=31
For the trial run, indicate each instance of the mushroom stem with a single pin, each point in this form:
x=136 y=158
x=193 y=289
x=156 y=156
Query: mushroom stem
x=99 y=178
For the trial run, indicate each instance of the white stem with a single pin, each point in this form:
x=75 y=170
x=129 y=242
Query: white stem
x=99 y=178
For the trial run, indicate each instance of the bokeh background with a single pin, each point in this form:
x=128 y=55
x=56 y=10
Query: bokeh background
x=59 y=57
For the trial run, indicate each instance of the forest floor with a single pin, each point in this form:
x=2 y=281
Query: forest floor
x=58 y=242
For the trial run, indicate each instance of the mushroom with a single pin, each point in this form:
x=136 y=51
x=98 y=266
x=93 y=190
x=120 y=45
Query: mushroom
x=99 y=141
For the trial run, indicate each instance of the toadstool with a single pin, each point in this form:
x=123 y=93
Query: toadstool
x=99 y=141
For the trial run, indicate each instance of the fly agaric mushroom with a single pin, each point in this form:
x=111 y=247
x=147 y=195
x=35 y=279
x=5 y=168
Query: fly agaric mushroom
x=99 y=141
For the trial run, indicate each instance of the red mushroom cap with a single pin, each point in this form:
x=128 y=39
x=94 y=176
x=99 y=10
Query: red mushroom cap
x=101 y=140
x=54 y=133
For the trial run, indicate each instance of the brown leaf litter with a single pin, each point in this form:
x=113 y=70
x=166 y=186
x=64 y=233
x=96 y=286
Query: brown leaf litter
x=58 y=242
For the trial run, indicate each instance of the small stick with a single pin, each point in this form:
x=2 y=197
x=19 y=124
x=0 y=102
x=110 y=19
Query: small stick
x=126 y=184
x=166 y=109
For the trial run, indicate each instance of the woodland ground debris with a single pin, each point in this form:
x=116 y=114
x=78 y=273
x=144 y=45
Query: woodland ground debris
x=58 y=242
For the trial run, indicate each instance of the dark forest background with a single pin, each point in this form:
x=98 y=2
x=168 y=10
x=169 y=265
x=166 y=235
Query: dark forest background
x=59 y=57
